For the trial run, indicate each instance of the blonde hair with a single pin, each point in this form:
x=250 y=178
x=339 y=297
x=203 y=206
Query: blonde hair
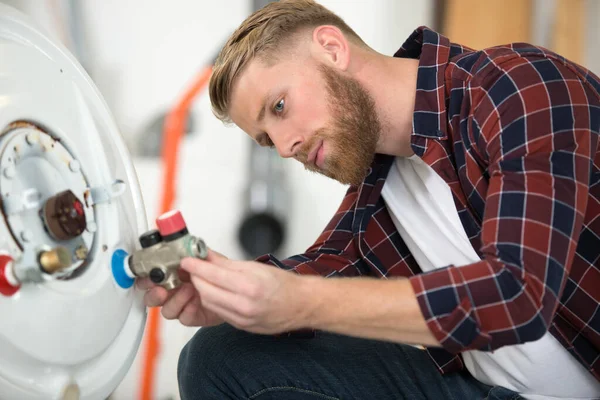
x=260 y=36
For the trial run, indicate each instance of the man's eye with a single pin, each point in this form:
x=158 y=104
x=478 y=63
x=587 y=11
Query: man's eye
x=279 y=106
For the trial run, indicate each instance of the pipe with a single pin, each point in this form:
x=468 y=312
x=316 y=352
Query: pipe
x=77 y=34
x=173 y=132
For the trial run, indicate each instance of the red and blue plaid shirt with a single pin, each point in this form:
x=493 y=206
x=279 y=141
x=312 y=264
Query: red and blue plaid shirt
x=513 y=130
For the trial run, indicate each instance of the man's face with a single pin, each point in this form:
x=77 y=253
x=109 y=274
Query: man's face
x=310 y=112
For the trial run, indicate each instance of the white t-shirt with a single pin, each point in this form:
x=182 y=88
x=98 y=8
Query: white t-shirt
x=423 y=211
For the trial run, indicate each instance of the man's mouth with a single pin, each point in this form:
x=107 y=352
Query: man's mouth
x=312 y=156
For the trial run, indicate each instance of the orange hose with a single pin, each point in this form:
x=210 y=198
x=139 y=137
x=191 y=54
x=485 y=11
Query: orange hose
x=174 y=128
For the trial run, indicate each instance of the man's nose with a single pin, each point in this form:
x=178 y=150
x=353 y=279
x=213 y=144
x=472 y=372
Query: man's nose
x=289 y=146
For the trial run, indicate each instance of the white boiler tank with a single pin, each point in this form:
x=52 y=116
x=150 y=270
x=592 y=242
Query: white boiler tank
x=69 y=199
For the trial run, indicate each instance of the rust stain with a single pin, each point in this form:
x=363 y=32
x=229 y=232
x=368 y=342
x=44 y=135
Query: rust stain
x=19 y=124
x=12 y=233
x=26 y=124
x=86 y=196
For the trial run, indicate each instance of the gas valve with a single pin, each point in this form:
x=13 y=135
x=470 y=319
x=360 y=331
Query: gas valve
x=161 y=253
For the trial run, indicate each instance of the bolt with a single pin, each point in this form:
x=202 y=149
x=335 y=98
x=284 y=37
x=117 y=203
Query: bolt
x=157 y=275
x=9 y=172
x=26 y=236
x=32 y=138
x=74 y=165
x=91 y=226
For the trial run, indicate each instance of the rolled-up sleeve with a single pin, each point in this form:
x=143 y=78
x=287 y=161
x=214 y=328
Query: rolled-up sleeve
x=535 y=123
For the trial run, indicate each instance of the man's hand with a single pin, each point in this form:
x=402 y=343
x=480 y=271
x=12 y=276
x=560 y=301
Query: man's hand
x=259 y=298
x=249 y=295
x=182 y=303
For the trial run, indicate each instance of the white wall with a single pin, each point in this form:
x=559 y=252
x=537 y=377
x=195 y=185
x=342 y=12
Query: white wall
x=213 y=162
x=142 y=54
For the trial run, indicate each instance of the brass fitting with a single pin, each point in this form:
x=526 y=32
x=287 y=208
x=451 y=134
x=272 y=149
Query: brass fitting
x=55 y=260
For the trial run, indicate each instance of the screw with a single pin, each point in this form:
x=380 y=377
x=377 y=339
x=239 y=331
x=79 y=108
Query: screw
x=91 y=226
x=9 y=172
x=74 y=165
x=26 y=236
x=157 y=275
x=32 y=138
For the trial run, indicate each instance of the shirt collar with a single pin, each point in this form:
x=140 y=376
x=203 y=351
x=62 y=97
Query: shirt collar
x=433 y=51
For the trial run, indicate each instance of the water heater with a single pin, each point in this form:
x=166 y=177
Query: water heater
x=69 y=201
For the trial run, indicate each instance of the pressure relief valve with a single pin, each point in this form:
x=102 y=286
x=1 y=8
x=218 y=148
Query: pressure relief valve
x=161 y=253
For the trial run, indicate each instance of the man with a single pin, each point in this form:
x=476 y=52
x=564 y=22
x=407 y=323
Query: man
x=471 y=227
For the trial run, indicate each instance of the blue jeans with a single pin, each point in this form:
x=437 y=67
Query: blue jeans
x=225 y=363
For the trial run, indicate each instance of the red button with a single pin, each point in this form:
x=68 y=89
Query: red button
x=6 y=288
x=78 y=207
x=170 y=222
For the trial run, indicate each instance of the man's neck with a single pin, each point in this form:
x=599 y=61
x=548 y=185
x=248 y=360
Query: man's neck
x=392 y=82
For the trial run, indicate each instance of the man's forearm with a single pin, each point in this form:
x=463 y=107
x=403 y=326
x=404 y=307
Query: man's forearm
x=367 y=307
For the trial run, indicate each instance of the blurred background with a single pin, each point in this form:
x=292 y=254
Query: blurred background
x=242 y=200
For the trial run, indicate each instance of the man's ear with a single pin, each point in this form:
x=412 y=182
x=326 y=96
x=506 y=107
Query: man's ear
x=330 y=46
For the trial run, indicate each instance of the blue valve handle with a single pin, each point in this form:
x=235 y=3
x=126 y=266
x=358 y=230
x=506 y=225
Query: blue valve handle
x=118 y=266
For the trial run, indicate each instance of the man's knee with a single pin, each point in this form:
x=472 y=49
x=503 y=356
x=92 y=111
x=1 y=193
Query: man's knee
x=207 y=363
x=201 y=347
x=198 y=358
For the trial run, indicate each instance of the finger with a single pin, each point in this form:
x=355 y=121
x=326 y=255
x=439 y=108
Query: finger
x=176 y=303
x=189 y=314
x=156 y=296
x=229 y=316
x=144 y=283
x=223 y=309
x=214 y=296
x=231 y=279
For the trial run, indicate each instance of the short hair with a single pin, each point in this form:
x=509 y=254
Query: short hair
x=260 y=36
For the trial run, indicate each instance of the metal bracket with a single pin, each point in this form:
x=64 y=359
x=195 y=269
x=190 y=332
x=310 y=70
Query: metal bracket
x=28 y=200
x=105 y=194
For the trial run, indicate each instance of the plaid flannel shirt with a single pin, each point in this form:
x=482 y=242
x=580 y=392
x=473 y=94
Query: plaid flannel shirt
x=513 y=130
